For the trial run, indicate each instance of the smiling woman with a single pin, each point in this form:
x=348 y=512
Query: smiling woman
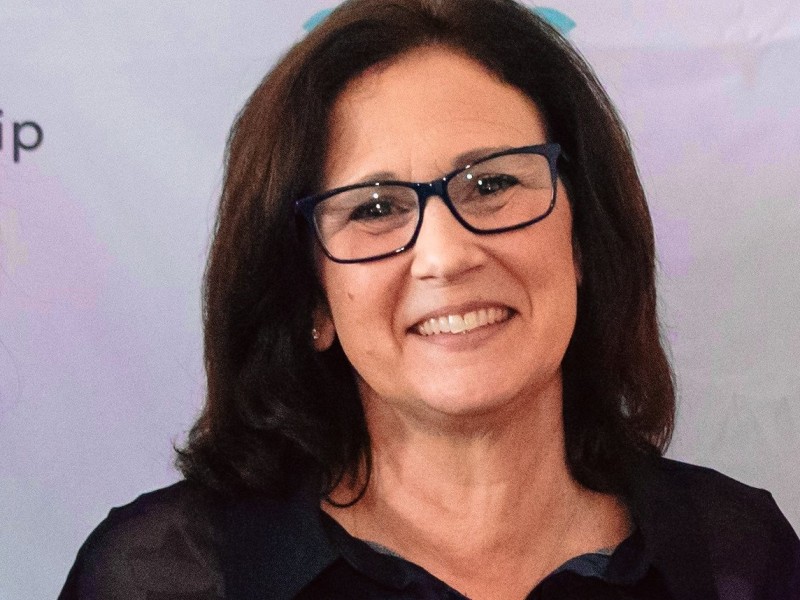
x=434 y=364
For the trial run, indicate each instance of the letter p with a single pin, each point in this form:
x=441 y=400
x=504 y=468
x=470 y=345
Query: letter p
x=22 y=144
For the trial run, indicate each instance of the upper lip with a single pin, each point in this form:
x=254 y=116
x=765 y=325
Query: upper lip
x=459 y=309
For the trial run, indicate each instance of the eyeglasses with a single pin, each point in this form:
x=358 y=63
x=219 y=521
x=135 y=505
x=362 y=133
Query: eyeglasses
x=501 y=192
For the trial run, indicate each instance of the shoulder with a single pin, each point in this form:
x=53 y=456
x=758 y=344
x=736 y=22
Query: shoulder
x=722 y=501
x=750 y=542
x=703 y=483
x=165 y=541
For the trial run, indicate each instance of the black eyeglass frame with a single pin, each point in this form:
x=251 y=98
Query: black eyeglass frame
x=437 y=187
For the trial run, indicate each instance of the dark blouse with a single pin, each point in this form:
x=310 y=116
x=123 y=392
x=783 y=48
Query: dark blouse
x=698 y=535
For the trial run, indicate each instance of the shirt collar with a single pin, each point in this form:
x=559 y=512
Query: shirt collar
x=385 y=569
x=274 y=548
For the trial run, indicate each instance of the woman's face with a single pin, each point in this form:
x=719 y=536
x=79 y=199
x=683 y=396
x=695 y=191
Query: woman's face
x=410 y=120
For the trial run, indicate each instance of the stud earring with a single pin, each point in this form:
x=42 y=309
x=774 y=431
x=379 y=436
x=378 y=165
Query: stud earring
x=314 y=334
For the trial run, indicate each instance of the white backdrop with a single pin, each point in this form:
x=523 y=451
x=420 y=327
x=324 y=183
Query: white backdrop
x=104 y=228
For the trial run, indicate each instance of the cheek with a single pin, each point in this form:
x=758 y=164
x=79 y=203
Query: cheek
x=551 y=276
x=343 y=303
x=362 y=300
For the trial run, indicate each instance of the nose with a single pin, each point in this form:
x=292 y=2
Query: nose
x=444 y=249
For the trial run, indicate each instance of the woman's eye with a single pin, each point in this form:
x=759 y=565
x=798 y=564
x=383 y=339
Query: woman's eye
x=491 y=184
x=374 y=209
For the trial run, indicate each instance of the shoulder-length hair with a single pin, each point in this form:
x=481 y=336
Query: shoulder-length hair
x=277 y=412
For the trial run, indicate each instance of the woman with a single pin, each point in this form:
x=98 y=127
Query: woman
x=440 y=389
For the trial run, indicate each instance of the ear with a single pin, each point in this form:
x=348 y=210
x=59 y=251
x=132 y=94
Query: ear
x=324 y=328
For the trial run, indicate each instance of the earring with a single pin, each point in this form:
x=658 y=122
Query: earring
x=314 y=334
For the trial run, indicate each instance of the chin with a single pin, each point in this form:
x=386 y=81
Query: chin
x=472 y=401
x=467 y=404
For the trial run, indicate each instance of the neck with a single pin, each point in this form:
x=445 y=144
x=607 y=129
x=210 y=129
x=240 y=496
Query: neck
x=450 y=494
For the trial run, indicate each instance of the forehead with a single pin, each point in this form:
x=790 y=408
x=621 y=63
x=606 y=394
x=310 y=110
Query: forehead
x=427 y=106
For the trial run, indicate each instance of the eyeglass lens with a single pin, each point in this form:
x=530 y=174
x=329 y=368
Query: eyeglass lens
x=493 y=194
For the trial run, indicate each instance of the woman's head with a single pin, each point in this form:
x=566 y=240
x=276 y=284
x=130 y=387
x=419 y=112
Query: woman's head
x=391 y=123
x=275 y=405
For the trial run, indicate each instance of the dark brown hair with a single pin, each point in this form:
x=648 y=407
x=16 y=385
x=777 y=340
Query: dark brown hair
x=277 y=412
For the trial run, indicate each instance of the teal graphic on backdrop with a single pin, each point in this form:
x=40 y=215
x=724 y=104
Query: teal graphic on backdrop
x=26 y=136
x=555 y=17
x=318 y=18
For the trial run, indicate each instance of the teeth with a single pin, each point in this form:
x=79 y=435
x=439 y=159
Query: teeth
x=434 y=326
x=463 y=323
x=444 y=324
x=470 y=320
x=456 y=324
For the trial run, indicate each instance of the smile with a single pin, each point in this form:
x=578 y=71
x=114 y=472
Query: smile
x=463 y=323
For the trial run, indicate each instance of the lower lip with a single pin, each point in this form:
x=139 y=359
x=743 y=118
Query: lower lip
x=468 y=339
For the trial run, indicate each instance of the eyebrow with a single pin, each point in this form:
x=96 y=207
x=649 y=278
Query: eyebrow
x=462 y=160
